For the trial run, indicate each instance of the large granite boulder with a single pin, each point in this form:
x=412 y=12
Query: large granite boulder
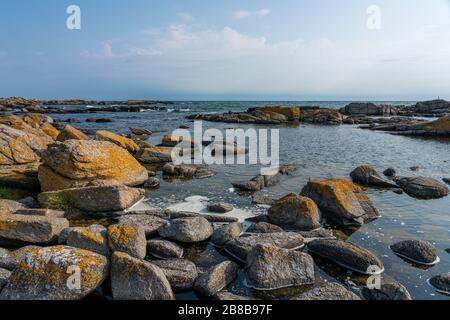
x=270 y=267
x=127 y=239
x=148 y=223
x=181 y=273
x=368 y=176
x=80 y=163
x=71 y=133
x=347 y=255
x=295 y=212
x=341 y=201
x=321 y=116
x=31 y=229
x=369 y=109
x=93 y=238
x=226 y=233
x=417 y=251
x=52 y=274
x=216 y=278
x=92 y=199
x=136 y=279
x=164 y=250
x=187 y=230
x=441 y=283
x=119 y=140
x=422 y=187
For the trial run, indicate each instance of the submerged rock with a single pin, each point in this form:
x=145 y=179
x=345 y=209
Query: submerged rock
x=92 y=199
x=31 y=229
x=367 y=175
x=390 y=172
x=422 y=187
x=264 y=227
x=417 y=251
x=152 y=183
x=330 y=291
x=187 y=230
x=390 y=290
x=217 y=278
x=347 y=255
x=47 y=274
x=341 y=201
x=127 y=239
x=226 y=233
x=239 y=248
x=162 y=249
x=78 y=163
x=181 y=273
x=441 y=283
x=295 y=212
x=135 y=279
x=269 y=267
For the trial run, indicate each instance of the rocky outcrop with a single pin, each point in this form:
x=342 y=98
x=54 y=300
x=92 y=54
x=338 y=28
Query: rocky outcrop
x=291 y=113
x=136 y=279
x=347 y=255
x=187 y=230
x=119 y=140
x=48 y=274
x=80 y=163
x=422 y=187
x=216 y=278
x=341 y=201
x=31 y=229
x=269 y=268
x=180 y=273
x=434 y=108
x=369 y=109
x=295 y=212
x=368 y=176
x=127 y=239
x=239 y=248
x=417 y=251
x=321 y=116
x=438 y=128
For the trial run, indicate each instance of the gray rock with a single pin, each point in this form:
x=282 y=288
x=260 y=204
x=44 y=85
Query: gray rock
x=226 y=233
x=42 y=212
x=390 y=290
x=269 y=268
x=213 y=218
x=4 y=253
x=368 y=176
x=239 y=248
x=258 y=218
x=414 y=168
x=10 y=206
x=11 y=260
x=417 y=251
x=160 y=213
x=264 y=227
x=136 y=279
x=187 y=230
x=220 y=207
x=127 y=239
x=141 y=132
x=390 y=172
x=262 y=200
x=46 y=274
x=317 y=234
x=228 y=296
x=31 y=229
x=62 y=237
x=422 y=187
x=441 y=283
x=148 y=223
x=152 y=183
x=328 y=292
x=295 y=212
x=93 y=238
x=4 y=276
x=162 y=249
x=181 y=273
x=217 y=278
x=348 y=255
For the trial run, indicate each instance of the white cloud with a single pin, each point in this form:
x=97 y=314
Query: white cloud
x=241 y=14
x=185 y=16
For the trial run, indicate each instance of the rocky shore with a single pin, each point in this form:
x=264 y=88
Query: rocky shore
x=73 y=176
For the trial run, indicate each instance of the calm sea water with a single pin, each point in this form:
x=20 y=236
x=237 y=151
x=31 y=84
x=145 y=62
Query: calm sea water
x=319 y=152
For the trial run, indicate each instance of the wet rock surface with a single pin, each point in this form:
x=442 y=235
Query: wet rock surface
x=389 y=290
x=441 y=282
x=417 y=251
x=264 y=227
x=367 y=175
x=330 y=291
x=422 y=187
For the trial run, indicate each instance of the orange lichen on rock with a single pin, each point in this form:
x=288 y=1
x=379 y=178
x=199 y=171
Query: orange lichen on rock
x=119 y=140
x=50 y=130
x=291 y=113
x=69 y=133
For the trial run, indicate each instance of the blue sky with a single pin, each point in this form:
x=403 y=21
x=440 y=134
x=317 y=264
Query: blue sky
x=226 y=50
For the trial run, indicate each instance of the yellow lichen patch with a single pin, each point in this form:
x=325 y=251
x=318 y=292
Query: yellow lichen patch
x=291 y=113
x=121 y=141
x=121 y=234
x=440 y=124
x=70 y=133
x=50 y=130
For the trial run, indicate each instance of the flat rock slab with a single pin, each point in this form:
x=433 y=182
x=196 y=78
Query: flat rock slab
x=417 y=251
x=187 y=230
x=422 y=187
x=181 y=273
x=43 y=274
x=328 y=292
x=239 y=248
x=162 y=249
x=217 y=278
x=136 y=279
x=31 y=229
x=10 y=206
x=347 y=255
x=149 y=223
x=270 y=268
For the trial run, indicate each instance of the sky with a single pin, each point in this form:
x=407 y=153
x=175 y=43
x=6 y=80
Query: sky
x=226 y=50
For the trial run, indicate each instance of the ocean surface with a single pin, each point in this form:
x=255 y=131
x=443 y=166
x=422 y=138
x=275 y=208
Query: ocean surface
x=319 y=152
